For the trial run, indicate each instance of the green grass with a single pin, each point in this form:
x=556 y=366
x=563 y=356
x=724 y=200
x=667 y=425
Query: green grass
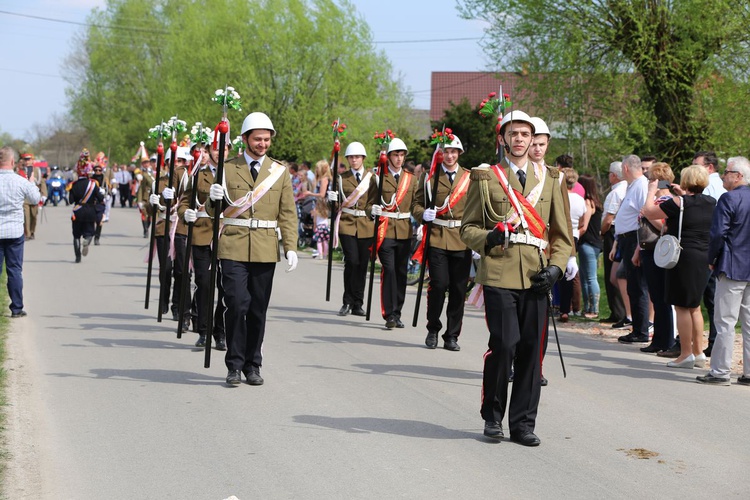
x=3 y=378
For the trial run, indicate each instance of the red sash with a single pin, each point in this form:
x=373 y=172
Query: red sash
x=521 y=205
x=401 y=190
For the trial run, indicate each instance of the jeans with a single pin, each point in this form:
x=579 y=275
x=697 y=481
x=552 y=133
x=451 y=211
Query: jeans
x=11 y=251
x=588 y=256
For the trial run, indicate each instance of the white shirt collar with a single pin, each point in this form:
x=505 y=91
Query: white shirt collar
x=400 y=171
x=249 y=159
x=515 y=167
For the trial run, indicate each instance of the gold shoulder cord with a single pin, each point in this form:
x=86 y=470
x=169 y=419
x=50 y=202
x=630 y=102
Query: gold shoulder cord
x=489 y=213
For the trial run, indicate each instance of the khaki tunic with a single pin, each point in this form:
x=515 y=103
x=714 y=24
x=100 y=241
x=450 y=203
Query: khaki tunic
x=243 y=244
x=398 y=229
x=350 y=225
x=442 y=237
x=512 y=267
x=163 y=182
x=203 y=226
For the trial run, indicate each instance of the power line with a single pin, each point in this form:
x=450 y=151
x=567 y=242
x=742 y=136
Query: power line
x=430 y=41
x=29 y=72
x=64 y=21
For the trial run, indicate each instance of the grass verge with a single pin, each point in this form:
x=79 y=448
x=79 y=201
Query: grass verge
x=3 y=376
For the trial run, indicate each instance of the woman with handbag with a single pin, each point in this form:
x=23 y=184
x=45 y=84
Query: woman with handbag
x=648 y=234
x=689 y=220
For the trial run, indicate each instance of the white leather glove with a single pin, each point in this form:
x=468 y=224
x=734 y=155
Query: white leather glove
x=102 y=191
x=190 y=215
x=115 y=192
x=291 y=258
x=153 y=199
x=168 y=193
x=216 y=192
x=139 y=177
x=43 y=200
x=429 y=214
x=571 y=269
x=420 y=232
x=377 y=210
x=140 y=205
x=333 y=196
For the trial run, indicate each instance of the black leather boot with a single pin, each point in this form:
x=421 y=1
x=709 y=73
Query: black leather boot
x=77 y=249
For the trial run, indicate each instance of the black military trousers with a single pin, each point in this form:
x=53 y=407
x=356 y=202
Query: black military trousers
x=247 y=292
x=356 y=257
x=202 y=268
x=517 y=320
x=180 y=254
x=165 y=274
x=394 y=258
x=449 y=273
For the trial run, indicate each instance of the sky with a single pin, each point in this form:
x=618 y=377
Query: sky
x=32 y=88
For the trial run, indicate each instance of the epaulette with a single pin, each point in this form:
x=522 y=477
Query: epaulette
x=553 y=172
x=481 y=173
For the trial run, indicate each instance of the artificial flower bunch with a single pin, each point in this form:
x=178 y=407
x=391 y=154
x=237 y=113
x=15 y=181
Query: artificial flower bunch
x=491 y=105
x=176 y=125
x=442 y=138
x=228 y=97
x=382 y=138
x=159 y=132
x=200 y=134
x=339 y=129
x=237 y=144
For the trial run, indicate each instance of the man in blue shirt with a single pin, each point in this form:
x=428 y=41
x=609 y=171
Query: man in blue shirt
x=14 y=192
x=728 y=259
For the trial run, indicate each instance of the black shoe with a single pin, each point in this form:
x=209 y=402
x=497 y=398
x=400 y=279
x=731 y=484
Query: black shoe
x=145 y=234
x=650 y=348
x=390 y=323
x=96 y=242
x=493 y=430
x=611 y=319
x=85 y=246
x=254 y=378
x=186 y=324
x=707 y=351
x=743 y=380
x=431 y=340
x=358 y=311
x=451 y=345
x=221 y=344
x=525 y=438
x=175 y=316
x=19 y=314
x=624 y=323
x=544 y=381
x=201 y=341
x=233 y=377
x=78 y=259
x=711 y=380
x=399 y=324
x=345 y=309
x=632 y=338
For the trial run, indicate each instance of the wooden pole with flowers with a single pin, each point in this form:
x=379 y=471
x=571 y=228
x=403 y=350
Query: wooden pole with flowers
x=493 y=105
x=228 y=98
x=339 y=131
x=175 y=126
x=159 y=133
x=382 y=139
x=198 y=135
x=438 y=139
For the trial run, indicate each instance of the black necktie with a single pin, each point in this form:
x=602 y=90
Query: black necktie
x=521 y=178
x=396 y=176
x=450 y=176
x=358 y=179
x=253 y=172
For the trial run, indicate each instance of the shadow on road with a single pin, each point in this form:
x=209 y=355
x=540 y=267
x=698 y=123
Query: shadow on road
x=141 y=344
x=432 y=371
x=366 y=425
x=160 y=376
x=314 y=339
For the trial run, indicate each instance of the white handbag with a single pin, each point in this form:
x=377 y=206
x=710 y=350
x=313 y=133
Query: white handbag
x=667 y=250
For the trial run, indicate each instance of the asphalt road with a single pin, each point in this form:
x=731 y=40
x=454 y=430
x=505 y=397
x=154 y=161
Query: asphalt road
x=108 y=403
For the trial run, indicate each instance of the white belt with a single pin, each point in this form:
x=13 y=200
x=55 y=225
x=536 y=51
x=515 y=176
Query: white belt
x=251 y=223
x=528 y=240
x=163 y=216
x=203 y=214
x=449 y=223
x=396 y=215
x=356 y=213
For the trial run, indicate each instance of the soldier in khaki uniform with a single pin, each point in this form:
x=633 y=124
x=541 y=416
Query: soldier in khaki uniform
x=31 y=210
x=145 y=184
x=354 y=227
x=163 y=245
x=261 y=201
x=394 y=209
x=200 y=246
x=448 y=258
x=523 y=254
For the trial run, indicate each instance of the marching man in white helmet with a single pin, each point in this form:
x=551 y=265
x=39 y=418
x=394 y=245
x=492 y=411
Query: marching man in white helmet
x=448 y=258
x=260 y=200
x=394 y=232
x=515 y=219
x=354 y=227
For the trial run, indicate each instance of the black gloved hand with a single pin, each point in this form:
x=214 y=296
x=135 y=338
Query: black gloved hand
x=543 y=281
x=496 y=237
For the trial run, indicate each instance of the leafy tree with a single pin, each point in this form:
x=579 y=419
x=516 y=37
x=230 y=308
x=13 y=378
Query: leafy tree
x=476 y=133
x=304 y=63
x=652 y=59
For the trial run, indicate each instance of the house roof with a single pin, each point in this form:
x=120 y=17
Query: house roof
x=453 y=86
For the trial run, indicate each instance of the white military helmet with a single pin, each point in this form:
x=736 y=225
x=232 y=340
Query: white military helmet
x=516 y=116
x=184 y=153
x=355 y=149
x=540 y=127
x=257 y=120
x=455 y=143
x=168 y=155
x=397 y=144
